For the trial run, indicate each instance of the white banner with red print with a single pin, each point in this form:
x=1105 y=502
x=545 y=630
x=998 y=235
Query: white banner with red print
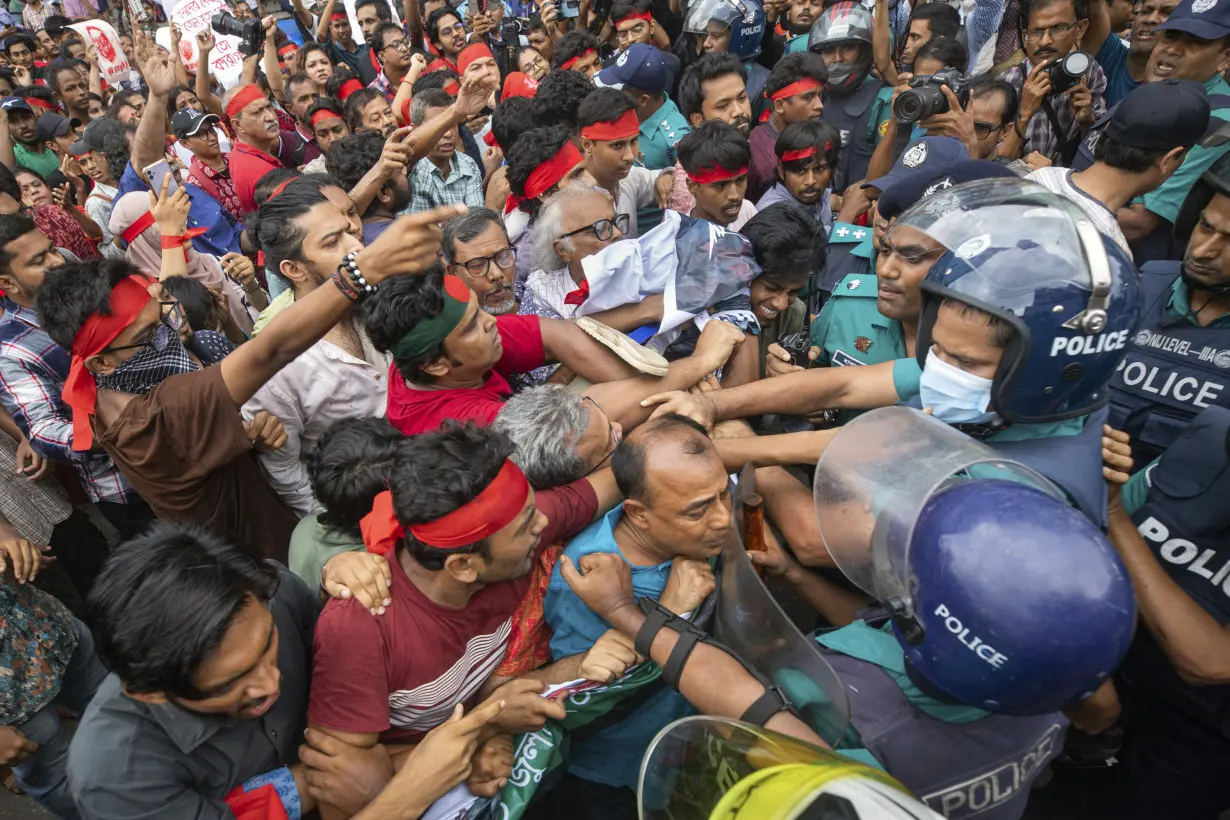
x=191 y=16
x=112 y=62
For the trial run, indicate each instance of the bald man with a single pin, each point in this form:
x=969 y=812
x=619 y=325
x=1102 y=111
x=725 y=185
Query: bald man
x=677 y=507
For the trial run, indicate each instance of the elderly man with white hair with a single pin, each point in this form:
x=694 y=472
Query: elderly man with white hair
x=575 y=223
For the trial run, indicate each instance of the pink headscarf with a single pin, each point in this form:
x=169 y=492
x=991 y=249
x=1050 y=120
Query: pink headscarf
x=145 y=251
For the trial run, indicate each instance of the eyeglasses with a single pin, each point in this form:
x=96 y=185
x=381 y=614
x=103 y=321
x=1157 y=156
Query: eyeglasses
x=612 y=434
x=172 y=316
x=456 y=28
x=1036 y=34
x=401 y=45
x=480 y=265
x=603 y=229
x=982 y=130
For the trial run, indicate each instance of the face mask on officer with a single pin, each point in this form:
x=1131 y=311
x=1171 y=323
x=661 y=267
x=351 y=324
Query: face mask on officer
x=954 y=396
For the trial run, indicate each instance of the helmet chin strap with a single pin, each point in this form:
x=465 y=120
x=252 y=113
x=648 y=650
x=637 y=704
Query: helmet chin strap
x=1194 y=284
x=982 y=429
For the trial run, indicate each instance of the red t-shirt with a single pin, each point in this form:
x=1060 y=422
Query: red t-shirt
x=401 y=673
x=415 y=411
x=248 y=164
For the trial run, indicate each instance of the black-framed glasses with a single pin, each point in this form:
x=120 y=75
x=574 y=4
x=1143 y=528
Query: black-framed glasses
x=604 y=229
x=172 y=316
x=480 y=265
x=1036 y=34
x=401 y=45
x=982 y=130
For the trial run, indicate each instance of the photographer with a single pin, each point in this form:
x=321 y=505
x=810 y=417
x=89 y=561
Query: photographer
x=1051 y=121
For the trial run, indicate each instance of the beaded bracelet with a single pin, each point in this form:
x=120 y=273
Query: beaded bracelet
x=356 y=277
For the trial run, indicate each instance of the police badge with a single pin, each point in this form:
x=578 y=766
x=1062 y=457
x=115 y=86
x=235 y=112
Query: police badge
x=861 y=343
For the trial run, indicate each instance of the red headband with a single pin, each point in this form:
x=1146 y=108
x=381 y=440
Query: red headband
x=439 y=64
x=636 y=15
x=490 y=511
x=628 y=125
x=451 y=88
x=542 y=178
x=289 y=48
x=472 y=53
x=80 y=392
x=716 y=173
x=35 y=101
x=137 y=227
x=349 y=87
x=338 y=15
x=804 y=153
x=489 y=138
x=280 y=188
x=571 y=61
x=324 y=114
x=244 y=97
x=805 y=84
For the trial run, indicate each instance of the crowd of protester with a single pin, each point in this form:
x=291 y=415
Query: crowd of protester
x=383 y=427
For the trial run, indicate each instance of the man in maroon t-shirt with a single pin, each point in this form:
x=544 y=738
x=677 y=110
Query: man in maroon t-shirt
x=462 y=529
x=451 y=359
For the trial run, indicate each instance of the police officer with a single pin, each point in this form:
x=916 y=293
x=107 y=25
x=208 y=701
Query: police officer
x=856 y=104
x=1025 y=314
x=871 y=319
x=641 y=72
x=1178 y=362
x=737 y=26
x=953 y=689
x=1171 y=526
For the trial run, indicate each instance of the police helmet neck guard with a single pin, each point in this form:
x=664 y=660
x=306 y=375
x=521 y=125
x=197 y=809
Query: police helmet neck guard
x=1216 y=180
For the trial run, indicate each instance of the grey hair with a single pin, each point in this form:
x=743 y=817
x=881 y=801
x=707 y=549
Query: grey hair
x=550 y=223
x=465 y=227
x=428 y=98
x=545 y=423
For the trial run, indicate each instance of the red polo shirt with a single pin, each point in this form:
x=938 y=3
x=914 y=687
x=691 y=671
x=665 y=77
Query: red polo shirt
x=248 y=164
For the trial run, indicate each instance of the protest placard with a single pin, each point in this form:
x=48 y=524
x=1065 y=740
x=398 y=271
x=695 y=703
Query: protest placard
x=191 y=16
x=112 y=62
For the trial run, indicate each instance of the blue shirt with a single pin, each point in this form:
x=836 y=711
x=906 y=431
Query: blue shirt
x=221 y=235
x=612 y=755
x=1112 y=56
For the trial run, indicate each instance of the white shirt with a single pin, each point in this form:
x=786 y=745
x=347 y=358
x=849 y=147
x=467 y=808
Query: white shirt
x=1059 y=181
x=324 y=384
x=98 y=208
x=636 y=191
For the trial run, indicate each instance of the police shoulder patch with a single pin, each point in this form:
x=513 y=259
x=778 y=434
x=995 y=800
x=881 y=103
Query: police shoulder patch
x=856 y=284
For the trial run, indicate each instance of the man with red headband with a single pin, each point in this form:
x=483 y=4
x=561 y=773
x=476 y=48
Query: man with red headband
x=334 y=31
x=795 y=90
x=610 y=145
x=642 y=72
x=477 y=59
x=579 y=51
x=174 y=428
x=257 y=141
x=462 y=530
x=715 y=158
x=452 y=360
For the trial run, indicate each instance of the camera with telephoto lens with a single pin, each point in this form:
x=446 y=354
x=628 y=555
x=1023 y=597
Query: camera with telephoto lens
x=1067 y=71
x=925 y=98
x=251 y=33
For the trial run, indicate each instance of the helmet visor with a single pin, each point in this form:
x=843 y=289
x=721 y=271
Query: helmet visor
x=873 y=480
x=725 y=12
x=999 y=228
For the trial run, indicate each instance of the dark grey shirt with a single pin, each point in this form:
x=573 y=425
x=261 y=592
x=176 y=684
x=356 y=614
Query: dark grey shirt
x=132 y=760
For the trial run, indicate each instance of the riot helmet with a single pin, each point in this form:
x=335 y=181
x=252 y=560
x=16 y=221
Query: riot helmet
x=980 y=561
x=846 y=22
x=744 y=18
x=1034 y=261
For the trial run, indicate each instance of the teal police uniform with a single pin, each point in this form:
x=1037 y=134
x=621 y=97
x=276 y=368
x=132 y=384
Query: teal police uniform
x=659 y=134
x=850 y=250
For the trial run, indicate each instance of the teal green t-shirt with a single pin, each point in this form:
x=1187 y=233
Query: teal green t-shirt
x=1135 y=492
x=44 y=163
x=1166 y=200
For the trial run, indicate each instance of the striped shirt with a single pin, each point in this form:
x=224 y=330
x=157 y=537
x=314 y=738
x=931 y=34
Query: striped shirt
x=401 y=674
x=33 y=370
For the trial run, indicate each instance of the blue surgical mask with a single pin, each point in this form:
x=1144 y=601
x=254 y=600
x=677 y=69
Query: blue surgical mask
x=954 y=396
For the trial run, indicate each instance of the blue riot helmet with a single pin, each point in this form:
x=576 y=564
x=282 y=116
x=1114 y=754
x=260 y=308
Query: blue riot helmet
x=744 y=18
x=846 y=22
x=1035 y=261
x=980 y=561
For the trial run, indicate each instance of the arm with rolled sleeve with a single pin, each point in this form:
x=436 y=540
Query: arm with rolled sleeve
x=284 y=467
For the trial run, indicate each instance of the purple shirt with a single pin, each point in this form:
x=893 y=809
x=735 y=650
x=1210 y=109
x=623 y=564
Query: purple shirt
x=763 y=171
